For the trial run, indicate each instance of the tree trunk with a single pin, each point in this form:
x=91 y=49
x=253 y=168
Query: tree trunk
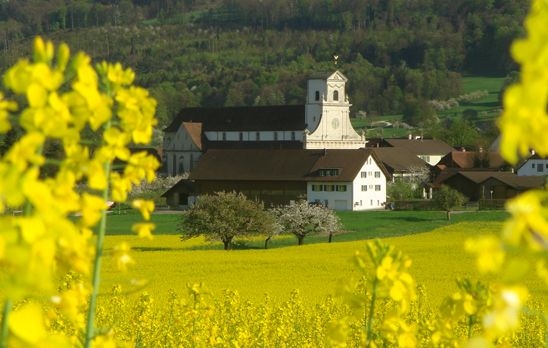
x=330 y=237
x=266 y=243
x=448 y=215
x=301 y=240
x=228 y=243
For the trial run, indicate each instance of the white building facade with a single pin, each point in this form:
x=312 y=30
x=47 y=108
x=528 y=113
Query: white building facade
x=535 y=166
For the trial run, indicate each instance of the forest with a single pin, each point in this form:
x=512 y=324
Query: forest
x=397 y=54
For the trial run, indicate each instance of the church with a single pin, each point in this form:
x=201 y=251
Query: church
x=277 y=153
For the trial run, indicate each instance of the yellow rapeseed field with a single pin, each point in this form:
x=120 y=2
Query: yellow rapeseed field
x=315 y=270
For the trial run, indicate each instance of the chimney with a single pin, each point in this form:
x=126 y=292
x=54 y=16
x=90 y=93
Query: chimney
x=533 y=152
x=325 y=152
x=409 y=136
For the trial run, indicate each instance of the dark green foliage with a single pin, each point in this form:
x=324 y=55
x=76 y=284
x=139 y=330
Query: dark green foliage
x=447 y=198
x=225 y=216
x=9 y=139
x=217 y=53
x=419 y=113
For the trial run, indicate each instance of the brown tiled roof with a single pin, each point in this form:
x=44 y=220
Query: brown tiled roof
x=195 y=131
x=281 y=165
x=243 y=118
x=465 y=159
x=479 y=177
x=521 y=183
x=398 y=159
x=421 y=146
x=449 y=172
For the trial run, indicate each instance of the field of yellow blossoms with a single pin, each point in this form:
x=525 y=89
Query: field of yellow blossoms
x=283 y=297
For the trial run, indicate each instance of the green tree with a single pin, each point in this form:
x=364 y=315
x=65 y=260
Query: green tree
x=225 y=216
x=447 y=198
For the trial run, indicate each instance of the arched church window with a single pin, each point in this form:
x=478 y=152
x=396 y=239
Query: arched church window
x=174 y=164
x=224 y=136
x=317 y=95
x=293 y=136
x=241 y=136
x=336 y=95
x=181 y=164
x=258 y=136
x=276 y=136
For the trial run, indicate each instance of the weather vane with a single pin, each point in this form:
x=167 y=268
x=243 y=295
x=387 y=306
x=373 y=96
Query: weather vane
x=336 y=57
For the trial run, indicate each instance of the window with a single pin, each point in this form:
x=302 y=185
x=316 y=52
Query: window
x=425 y=158
x=532 y=164
x=370 y=173
x=540 y=167
x=340 y=188
x=336 y=95
x=378 y=203
x=224 y=136
x=377 y=174
x=364 y=175
x=241 y=136
x=317 y=95
x=361 y=203
x=317 y=187
x=377 y=187
x=293 y=136
x=370 y=187
x=329 y=188
x=314 y=118
x=326 y=203
x=276 y=136
x=258 y=136
x=371 y=203
x=364 y=188
x=329 y=172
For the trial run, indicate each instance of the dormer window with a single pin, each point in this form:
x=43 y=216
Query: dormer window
x=317 y=95
x=224 y=136
x=241 y=136
x=329 y=172
x=276 y=136
x=293 y=136
x=258 y=136
x=336 y=95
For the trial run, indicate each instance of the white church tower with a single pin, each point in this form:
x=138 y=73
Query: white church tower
x=327 y=114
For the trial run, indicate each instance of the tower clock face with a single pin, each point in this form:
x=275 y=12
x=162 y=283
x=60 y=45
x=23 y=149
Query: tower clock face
x=335 y=123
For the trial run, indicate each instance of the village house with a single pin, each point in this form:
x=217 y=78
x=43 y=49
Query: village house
x=535 y=165
x=339 y=179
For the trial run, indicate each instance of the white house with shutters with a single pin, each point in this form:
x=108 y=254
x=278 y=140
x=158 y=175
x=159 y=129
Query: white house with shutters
x=535 y=165
x=340 y=179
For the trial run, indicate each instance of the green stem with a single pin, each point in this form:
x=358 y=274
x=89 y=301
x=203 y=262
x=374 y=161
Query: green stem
x=371 y=313
x=470 y=325
x=5 y=316
x=90 y=327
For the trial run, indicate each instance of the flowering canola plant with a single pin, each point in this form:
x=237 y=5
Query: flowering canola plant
x=44 y=243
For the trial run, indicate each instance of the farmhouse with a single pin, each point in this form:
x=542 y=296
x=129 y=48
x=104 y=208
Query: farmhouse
x=340 y=179
x=495 y=185
x=322 y=123
x=400 y=162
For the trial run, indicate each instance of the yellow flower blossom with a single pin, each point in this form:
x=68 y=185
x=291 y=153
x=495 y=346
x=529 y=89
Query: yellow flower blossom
x=5 y=107
x=490 y=254
x=92 y=207
x=144 y=206
x=120 y=256
x=27 y=325
x=143 y=230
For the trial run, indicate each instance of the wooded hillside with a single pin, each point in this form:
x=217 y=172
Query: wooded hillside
x=245 y=52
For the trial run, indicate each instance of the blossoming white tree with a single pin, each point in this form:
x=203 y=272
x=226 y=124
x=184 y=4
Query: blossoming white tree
x=302 y=219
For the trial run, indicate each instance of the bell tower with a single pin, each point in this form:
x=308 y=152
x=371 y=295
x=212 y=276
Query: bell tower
x=327 y=114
